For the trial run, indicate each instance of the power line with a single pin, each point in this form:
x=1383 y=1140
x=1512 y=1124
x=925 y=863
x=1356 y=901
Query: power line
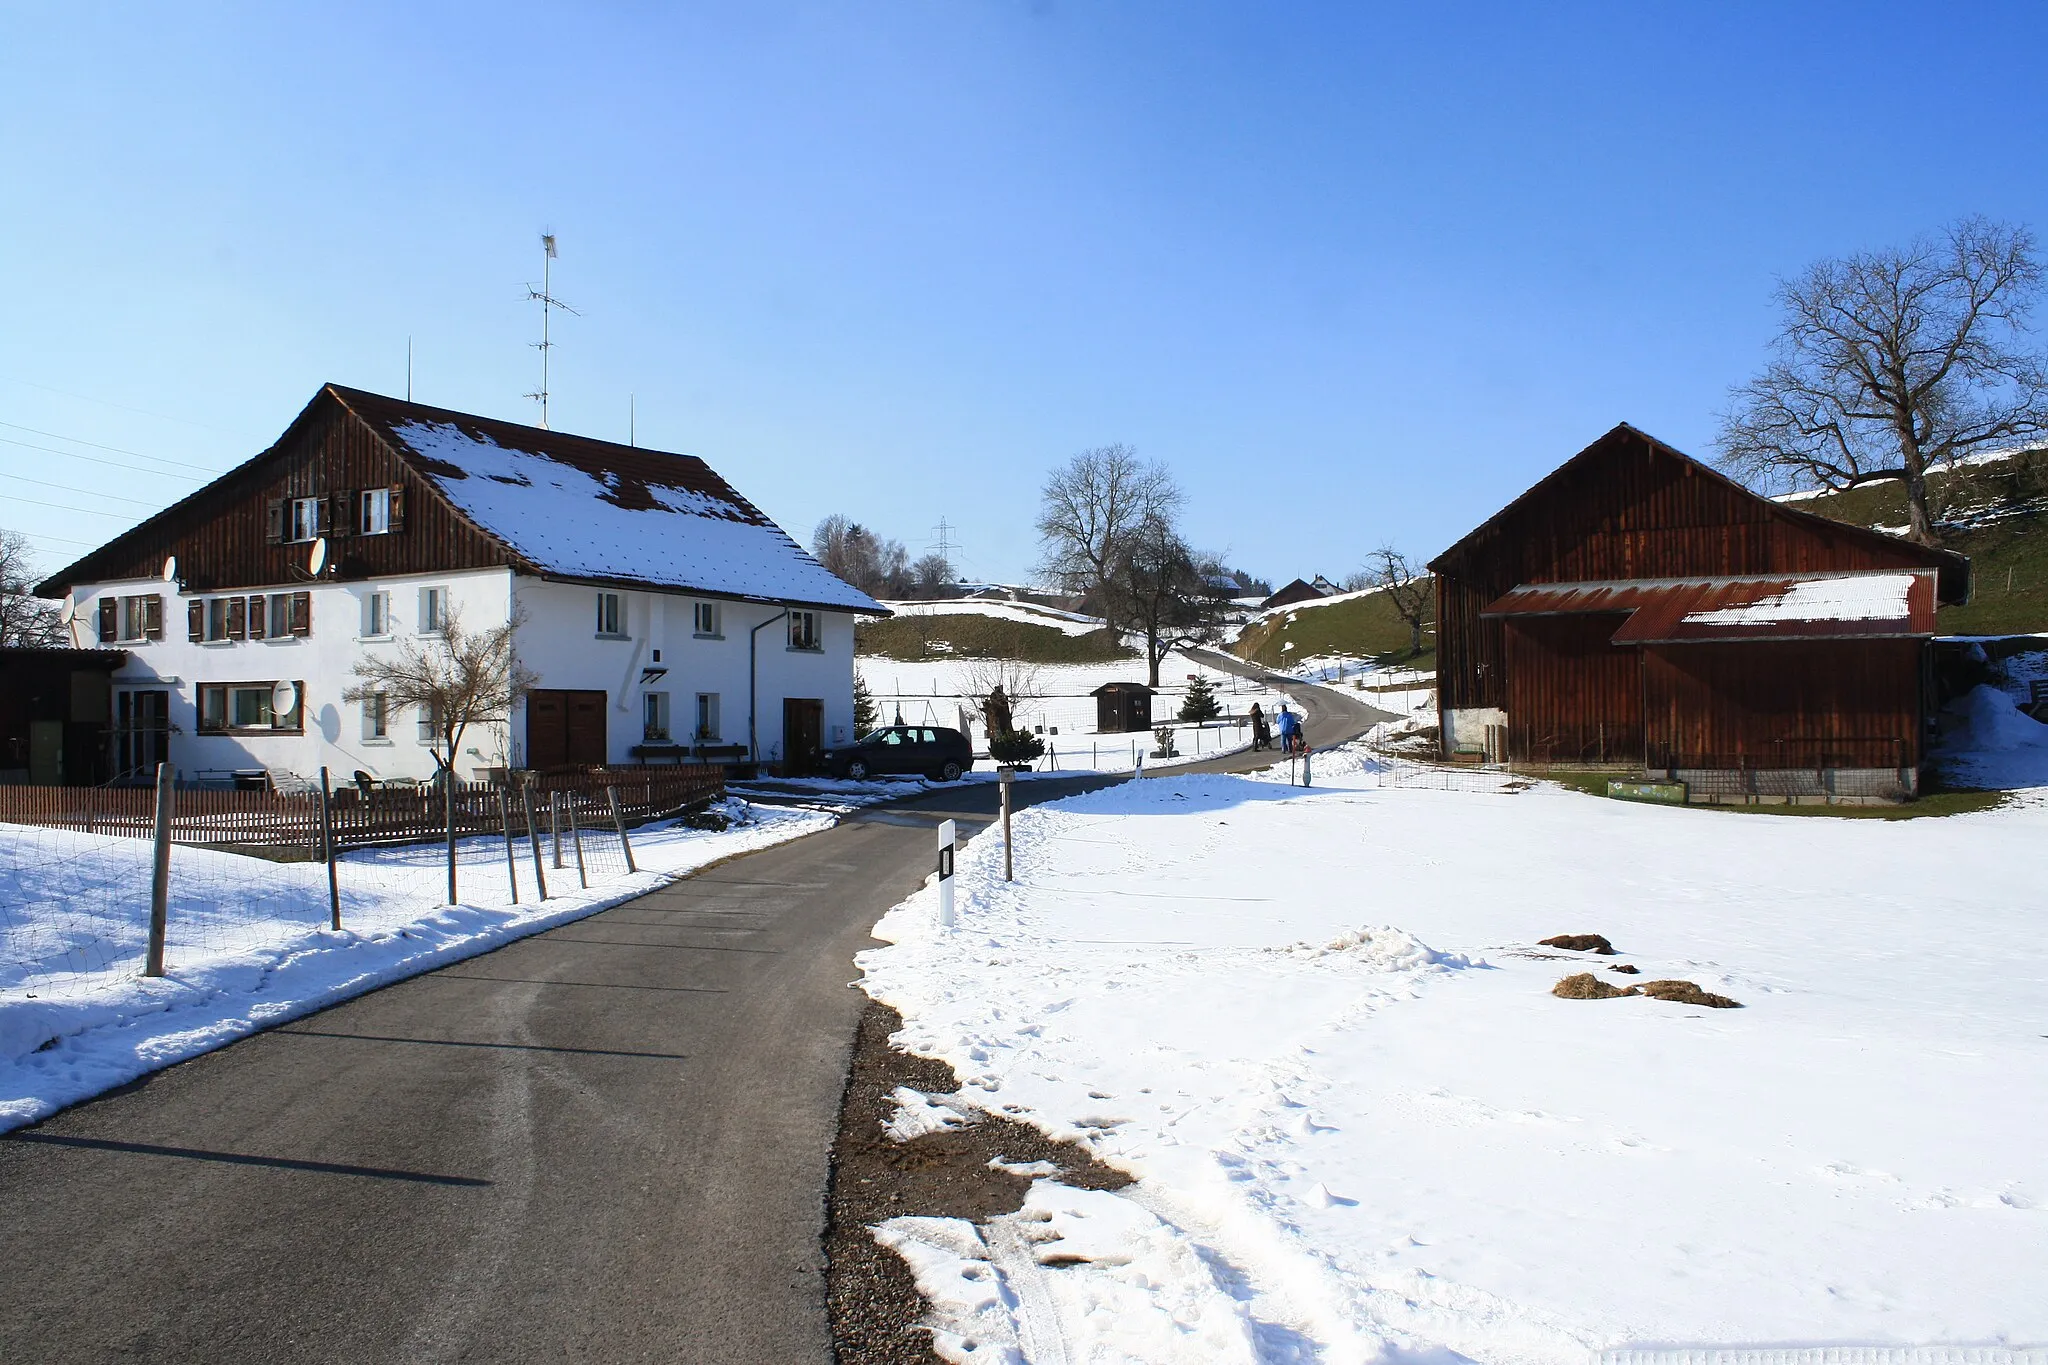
x=61 y=540
x=118 y=450
x=106 y=402
x=94 y=459
x=67 y=488
x=60 y=507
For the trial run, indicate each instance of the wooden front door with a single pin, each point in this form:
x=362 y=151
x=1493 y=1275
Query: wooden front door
x=803 y=735
x=564 y=729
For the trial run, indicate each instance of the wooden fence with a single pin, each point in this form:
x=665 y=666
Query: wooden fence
x=384 y=815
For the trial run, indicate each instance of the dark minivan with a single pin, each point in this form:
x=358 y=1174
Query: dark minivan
x=931 y=750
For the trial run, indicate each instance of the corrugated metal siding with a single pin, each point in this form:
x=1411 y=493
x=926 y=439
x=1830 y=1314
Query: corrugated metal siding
x=1783 y=704
x=1573 y=697
x=220 y=534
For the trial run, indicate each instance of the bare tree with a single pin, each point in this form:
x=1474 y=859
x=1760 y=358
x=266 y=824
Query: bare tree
x=930 y=575
x=26 y=621
x=1156 y=589
x=1090 y=506
x=1408 y=587
x=458 y=679
x=1893 y=363
x=851 y=551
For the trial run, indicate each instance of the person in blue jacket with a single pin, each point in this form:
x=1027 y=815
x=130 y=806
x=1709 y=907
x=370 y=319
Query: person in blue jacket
x=1289 y=726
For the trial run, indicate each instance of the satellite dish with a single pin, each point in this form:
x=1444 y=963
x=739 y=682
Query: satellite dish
x=170 y=568
x=284 y=699
x=319 y=559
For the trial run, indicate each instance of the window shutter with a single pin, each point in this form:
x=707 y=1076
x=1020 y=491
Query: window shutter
x=320 y=518
x=110 y=619
x=275 y=536
x=153 y=616
x=347 y=511
x=397 y=507
x=302 y=613
x=256 y=615
x=238 y=618
x=195 y=621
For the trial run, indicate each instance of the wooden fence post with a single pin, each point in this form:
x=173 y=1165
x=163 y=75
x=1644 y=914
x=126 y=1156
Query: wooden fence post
x=448 y=790
x=611 y=794
x=555 y=826
x=533 y=837
x=327 y=848
x=160 y=876
x=576 y=836
x=511 y=860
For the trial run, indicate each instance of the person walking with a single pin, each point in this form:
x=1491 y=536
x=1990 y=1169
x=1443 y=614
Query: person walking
x=1261 y=736
x=1289 y=726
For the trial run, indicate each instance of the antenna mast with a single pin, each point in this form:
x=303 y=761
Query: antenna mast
x=544 y=296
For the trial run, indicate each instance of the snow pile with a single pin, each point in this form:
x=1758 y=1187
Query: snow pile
x=1078 y=1275
x=67 y=1038
x=1990 y=742
x=918 y=1114
x=1401 y=1144
x=569 y=521
x=1858 y=597
x=1030 y=613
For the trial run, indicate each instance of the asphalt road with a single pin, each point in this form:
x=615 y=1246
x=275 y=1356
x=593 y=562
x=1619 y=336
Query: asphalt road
x=604 y=1143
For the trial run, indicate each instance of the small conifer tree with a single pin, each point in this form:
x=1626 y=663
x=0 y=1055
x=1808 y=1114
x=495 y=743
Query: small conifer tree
x=863 y=707
x=1200 y=703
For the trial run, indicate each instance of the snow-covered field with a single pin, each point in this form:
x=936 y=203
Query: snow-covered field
x=934 y=692
x=1030 y=613
x=1316 y=1024
x=248 y=945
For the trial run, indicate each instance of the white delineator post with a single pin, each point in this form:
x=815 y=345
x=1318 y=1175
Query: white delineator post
x=946 y=833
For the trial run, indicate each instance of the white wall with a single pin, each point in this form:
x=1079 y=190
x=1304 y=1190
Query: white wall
x=560 y=643
x=322 y=661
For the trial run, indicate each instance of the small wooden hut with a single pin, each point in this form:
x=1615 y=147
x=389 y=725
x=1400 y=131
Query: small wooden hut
x=1122 y=707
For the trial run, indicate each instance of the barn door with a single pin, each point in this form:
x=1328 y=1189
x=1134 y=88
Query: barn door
x=564 y=728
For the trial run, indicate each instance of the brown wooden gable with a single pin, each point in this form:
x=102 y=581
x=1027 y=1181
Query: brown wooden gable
x=225 y=537
x=1628 y=507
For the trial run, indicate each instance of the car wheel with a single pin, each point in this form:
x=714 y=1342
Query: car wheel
x=857 y=769
x=949 y=771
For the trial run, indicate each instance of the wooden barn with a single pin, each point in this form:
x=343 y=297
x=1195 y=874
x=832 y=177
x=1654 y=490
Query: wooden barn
x=1636 y=609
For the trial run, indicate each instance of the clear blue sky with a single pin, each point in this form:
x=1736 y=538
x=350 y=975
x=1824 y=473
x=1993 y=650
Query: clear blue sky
x=1354 y=272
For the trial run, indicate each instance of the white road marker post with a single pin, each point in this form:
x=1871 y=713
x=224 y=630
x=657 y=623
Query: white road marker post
x=1306 y=755
x=946 y=833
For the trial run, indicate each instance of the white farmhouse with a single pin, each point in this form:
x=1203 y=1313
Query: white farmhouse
x=666 y=617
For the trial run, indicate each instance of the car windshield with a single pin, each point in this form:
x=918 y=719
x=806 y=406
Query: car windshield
x=879 y=737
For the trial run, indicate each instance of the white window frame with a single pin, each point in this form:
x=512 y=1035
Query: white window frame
x=611 y=616
x=373 y=514
x=806 y=633
x=280 y=613
x=302 y=520
x=376 y=616
x=216 y=620
x=377 y=718
x=707 y=726
x=707 y=622
x=654 y=718
x=429 y=725
x=134 y=618
x=433 y=611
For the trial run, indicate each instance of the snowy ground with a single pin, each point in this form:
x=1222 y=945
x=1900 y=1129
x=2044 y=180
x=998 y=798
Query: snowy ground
x=1031 y=613
x=248 y=945
x=1317 y=1026
x=933 y=692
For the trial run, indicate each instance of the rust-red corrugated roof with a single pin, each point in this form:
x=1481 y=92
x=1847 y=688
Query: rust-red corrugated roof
x=1872 y=604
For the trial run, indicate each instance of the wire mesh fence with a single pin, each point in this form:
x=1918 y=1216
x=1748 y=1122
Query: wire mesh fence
x=75 y=902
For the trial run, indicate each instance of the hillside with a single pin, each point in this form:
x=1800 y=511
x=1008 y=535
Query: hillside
x=984 y=634
x=1354 y=624
x=1993 y=510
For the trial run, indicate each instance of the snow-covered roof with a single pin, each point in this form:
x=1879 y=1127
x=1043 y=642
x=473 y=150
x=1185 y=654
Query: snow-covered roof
x=580 y=508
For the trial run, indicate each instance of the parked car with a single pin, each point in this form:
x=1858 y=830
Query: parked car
x=932 y=750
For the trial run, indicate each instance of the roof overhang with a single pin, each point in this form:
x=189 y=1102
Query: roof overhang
x=1865 y=605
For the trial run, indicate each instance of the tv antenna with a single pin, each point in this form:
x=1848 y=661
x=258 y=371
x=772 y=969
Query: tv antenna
x=544 y=296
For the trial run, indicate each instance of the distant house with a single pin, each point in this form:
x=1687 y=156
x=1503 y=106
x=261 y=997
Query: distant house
x=1297 y=591
x=664 y=614
x=1636 y=609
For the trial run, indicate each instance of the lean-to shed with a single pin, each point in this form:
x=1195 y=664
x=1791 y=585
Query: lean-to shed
x=1121 y=707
